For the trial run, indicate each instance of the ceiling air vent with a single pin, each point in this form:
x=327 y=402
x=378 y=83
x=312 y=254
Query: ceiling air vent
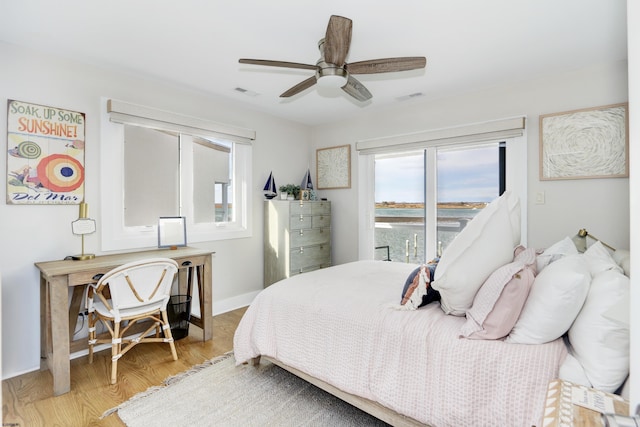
x=245 y=91
x=410 y=96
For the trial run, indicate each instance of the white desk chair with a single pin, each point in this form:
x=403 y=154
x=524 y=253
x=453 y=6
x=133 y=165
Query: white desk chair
x=125 y=295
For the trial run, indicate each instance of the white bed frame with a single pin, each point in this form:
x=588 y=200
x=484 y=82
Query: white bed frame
x=369 y=406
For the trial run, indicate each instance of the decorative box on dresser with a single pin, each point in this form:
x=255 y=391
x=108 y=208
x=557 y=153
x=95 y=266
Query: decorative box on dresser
x=297 y=238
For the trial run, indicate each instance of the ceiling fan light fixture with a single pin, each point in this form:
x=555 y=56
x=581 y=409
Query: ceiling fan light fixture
x=332 y=81
x=333 y=72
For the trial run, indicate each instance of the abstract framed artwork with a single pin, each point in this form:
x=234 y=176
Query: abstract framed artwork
x=586 y=143
x=333 y=167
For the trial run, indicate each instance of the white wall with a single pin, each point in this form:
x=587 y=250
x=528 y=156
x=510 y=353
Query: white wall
x=599 y=205
x=41 y=233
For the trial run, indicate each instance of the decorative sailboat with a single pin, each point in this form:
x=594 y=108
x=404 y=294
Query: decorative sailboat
x=270 y=187
x=306 y=183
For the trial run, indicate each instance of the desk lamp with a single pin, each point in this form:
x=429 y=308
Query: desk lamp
x=580 y=240
x=83 y=225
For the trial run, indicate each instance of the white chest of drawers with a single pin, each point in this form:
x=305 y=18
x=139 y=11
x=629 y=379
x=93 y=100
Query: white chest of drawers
x=297 y=238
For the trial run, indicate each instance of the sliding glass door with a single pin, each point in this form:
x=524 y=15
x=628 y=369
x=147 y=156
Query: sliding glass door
x=400 y=207
x=423 y=199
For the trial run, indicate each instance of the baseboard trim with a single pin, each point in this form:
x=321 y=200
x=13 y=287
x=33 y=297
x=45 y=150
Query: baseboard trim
x=229 y=304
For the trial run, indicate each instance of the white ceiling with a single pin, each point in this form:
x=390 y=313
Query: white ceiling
x=469 y=44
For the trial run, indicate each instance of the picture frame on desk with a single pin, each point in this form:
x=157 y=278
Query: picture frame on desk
x=172 y=232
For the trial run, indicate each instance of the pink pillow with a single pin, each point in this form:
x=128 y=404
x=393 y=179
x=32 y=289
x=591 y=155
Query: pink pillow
x=499 y=301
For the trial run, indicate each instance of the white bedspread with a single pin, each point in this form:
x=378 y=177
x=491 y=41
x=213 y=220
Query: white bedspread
x=338 y=324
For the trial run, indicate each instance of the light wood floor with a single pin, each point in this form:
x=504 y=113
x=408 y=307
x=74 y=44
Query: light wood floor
x=28 y=401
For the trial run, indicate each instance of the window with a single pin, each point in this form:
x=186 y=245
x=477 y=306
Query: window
x=414 y=196
x=464 y=181
x=157 y=164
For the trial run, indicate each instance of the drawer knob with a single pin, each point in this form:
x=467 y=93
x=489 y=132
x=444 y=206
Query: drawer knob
x=186 y=263
x=301 y=233
x=301 y=218
x=302 y=250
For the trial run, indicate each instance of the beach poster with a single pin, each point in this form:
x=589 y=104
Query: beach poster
x=45 y=154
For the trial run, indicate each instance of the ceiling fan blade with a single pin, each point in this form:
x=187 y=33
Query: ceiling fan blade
x=283 y=64
x=387 y=65
x=357 y=89
x=305 y=84
x=337 y=40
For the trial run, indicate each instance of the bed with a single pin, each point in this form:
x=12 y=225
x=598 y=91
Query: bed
x=343 y=329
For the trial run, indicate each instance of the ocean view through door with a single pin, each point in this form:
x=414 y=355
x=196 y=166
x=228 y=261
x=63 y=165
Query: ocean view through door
x=454 y=183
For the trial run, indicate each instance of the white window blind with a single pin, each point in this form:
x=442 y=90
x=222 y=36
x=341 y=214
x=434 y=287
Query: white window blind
x=472 y=133
x=126 y=113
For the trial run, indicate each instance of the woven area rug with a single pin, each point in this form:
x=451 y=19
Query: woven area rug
x=218 y=393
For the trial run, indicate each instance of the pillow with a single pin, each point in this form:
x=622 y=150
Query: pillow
x=599 y=259
x=601 y=344
x=623 y=259
x=556 y=297
x=417 y=290
x=513 y=205
x=498 y=303
x=554 y=252
x=485 y=244
x=571 y=370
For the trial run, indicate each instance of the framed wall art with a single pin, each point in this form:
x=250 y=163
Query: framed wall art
x=587 y=143
x=45 y=155
x=333 y=167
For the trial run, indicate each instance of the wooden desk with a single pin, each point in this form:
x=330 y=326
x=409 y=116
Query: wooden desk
x=58 y=319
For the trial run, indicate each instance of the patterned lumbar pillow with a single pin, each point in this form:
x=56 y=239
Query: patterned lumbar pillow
x=417 y=290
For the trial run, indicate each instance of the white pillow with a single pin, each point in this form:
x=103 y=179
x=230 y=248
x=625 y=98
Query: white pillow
x=513 y=204
x=484 y=245
x=571 y=370
x=599 y=259
x=554 y=252
x=601 y=344
x=623 y=258
x=554 y=301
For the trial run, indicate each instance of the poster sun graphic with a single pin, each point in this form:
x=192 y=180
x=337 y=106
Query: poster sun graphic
x=45 y=154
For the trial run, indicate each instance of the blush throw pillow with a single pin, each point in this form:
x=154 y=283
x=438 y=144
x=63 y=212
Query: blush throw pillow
x=556 y=297
x=486 y=243
x=499 y=301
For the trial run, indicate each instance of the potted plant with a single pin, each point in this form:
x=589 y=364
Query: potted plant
x=291 y=190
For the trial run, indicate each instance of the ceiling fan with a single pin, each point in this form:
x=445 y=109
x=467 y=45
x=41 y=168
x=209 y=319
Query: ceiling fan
x=332 y=70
